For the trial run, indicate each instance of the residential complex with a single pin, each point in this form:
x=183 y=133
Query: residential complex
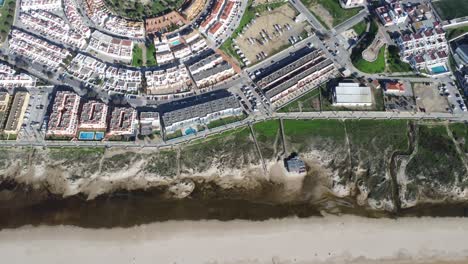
x=36 y=49
x=149 y=123
x=164 y=22
x=426 y=49
x=63 y=121
x=188 y=115
x=295 y=75
x=10 y=78
x=123 y=122
x=93 y=116
x=114 y=48
x=17 y=112
x=5 y=99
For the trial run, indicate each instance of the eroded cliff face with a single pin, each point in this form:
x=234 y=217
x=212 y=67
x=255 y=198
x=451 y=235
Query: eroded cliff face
x=381 y=166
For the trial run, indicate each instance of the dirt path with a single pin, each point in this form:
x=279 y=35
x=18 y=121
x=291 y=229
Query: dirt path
x=143 y=48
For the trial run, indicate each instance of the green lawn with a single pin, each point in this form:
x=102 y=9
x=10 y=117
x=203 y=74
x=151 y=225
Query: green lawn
x=225 y=121
x=360 y=28
x=7 y=12
x=304 y=103
x=450 y=9
x=266 y=133
x=455 y=32
x=267 y=129
x=299 y=130
x=173 y=135
x=395 y=64
x=339 y=14
x=376 y=66
x=151 y=54
x=137 y=56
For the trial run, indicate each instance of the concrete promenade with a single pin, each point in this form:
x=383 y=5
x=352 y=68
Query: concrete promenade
x=341 y=115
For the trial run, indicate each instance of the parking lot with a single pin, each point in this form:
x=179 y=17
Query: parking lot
x=429 y=99
x=271 y=32
x=34 y=116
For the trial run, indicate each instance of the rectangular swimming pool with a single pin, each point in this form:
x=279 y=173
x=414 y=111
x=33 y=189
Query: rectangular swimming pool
x=1 y=2
x=86 y=136
x=438 y=69
x=99 y=136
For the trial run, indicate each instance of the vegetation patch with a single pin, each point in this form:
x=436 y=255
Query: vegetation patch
x=338 y=13
x=455 y=32
x=137 y=56
x=395 y=64
x=436 y=165
x=376 y=66
x=231 y=149
x=266 y=134
x=225 y=121
x=300 y=132
x=372 y=144
x=450 y=9
x=137 y=10
x=151 y=55
x=163 y=163
x=360 y=28
x=7 y=11
x=460 y=133
x=309 y=102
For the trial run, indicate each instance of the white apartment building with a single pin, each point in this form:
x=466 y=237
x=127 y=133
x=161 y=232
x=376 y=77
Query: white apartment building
x=352 y=3
x=9 y=78
x=425 y=48
x=392 y=13
x=49 y=5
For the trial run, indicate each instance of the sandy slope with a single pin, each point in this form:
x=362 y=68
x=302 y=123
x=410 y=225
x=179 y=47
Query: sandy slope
x=313 y=240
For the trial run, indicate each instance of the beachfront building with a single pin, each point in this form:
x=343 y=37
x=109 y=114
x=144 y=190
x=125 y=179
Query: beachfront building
x=187 y=116
x=63 y=121
x=352 y=95
x=295 y=165
x=4 y=106
x=149 y=123
x=123 y=122
x=17 y=111
x=93 y=121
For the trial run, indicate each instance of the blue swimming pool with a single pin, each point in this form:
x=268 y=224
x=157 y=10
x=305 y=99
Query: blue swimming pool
x=1 y=2
x=174 y=43
x=86 y=136
x=438 y=69
x=189 y=131
x=99 y=136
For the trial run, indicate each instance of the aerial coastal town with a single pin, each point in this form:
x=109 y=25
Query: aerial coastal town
x=86 y=73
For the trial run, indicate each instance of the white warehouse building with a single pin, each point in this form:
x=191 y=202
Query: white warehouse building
x=352 y=94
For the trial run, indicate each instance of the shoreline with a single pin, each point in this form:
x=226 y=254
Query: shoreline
x=329 y=239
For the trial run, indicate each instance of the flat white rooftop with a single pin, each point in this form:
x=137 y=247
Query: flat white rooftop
x=352 y=94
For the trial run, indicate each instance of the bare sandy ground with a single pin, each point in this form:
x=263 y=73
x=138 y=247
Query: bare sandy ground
x=331 y=239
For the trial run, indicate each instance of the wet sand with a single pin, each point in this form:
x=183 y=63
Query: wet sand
x=330 y=239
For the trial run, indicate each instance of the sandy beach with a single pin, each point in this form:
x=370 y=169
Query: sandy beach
x=331 y=239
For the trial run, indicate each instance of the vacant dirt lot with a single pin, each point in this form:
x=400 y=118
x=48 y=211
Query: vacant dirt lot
x=428 y=98
x=262 y=36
